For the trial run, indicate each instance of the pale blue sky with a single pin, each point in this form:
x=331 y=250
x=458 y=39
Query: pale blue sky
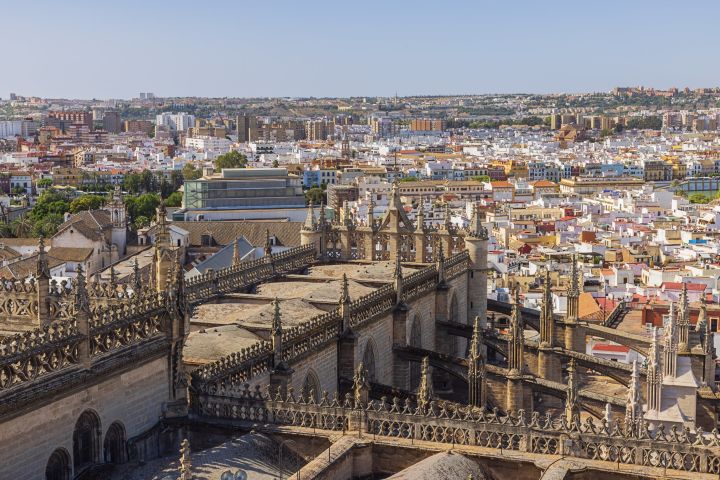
x=115 y=49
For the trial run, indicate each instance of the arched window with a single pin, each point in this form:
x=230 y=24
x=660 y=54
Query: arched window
x=114 y=444
x=369 y=360
x=311 y=387
x=86 y=440
x=58 y=465
x=415 y=341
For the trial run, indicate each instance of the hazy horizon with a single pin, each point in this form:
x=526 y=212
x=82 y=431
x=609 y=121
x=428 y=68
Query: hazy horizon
x=84 y=50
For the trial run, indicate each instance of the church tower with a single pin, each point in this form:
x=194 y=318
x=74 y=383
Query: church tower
x=118 y=217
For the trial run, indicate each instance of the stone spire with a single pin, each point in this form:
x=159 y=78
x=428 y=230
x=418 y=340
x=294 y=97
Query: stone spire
x=276 y=331
x=344 y=304
x=447 y=224
x=420 y=217
x=81 y=299
x=371 y=214
x=573 y=293
x=654 y=374
x=517 y=338
x=137 y=281
x=185 y=465
x=310 y=222
x=347 y=218
x=425 y=393
x=670 y=344
x=398 y=280
x=162 y=236
x=42 y=270
x=82 y=314
x=703 y=328
x=361 y=385
x=633 y=408
x=683 y=320
x=236 y=253
x=322 y=220
x=268 y=244
x=477 y=391
x=476 y=228
x=571 y=393
x=440 y=266
x=547 y=319
x=113 y=276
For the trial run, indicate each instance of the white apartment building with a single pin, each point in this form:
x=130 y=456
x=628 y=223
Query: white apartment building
x=208 y=144
x=175 y=122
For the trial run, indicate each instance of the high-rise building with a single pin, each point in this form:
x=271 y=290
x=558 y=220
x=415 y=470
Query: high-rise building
x=62 y=119
x=427 y=125
x=246 y=128
x=175 y=122
x=555 y=121
x=111 y=122
x=319 y=129
x=138 y=126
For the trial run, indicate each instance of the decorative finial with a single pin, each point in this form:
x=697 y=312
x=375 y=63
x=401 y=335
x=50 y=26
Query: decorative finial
x=425 y=393
x=268 y=243
x=361 y=385
x=185 y=465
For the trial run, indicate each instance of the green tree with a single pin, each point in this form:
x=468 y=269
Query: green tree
x=275 y=163
x=698 y=198
x=47 y=225
x=141 y=222
x=86 y=202
x=142 y=206
x=480 y=178
x=189 y=172
x=132 y=183
x=44 y=183
x=174 y=199
x=410 y=178
x=232 y=159
x=315 y=195
x=21 y=227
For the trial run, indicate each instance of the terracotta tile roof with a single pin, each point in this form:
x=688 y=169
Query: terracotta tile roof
x=604 y=347
x=224 y=232
x=678 y=286
x=93 y=224
x=70 y=254
x=26 y=267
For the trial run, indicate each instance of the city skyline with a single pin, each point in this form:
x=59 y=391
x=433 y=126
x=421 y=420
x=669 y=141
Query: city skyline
x=320 y=50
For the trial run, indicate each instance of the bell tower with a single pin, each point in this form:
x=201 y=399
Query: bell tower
x=119 y=222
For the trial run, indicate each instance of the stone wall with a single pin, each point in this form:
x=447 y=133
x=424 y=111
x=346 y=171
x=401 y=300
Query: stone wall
x=381 y=334
x=134 y=398
x=323 y=364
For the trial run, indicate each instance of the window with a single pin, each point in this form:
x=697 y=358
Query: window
x=86 y=440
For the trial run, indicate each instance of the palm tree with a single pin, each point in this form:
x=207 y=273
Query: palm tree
x=22 y=227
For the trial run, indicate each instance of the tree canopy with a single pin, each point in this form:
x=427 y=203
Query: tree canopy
x=174 y=199
x=232 y=159
x=189 y=172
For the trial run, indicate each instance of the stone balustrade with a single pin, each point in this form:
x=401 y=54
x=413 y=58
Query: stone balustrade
x=677 y=449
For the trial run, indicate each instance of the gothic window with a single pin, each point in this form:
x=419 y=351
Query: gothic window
x=58 y=465
x=311 y=387
x=114 y=445
x=86 y=440
x=369 y=360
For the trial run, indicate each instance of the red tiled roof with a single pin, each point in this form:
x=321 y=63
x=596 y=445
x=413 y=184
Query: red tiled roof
x=699 y=287
x=604 y=347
